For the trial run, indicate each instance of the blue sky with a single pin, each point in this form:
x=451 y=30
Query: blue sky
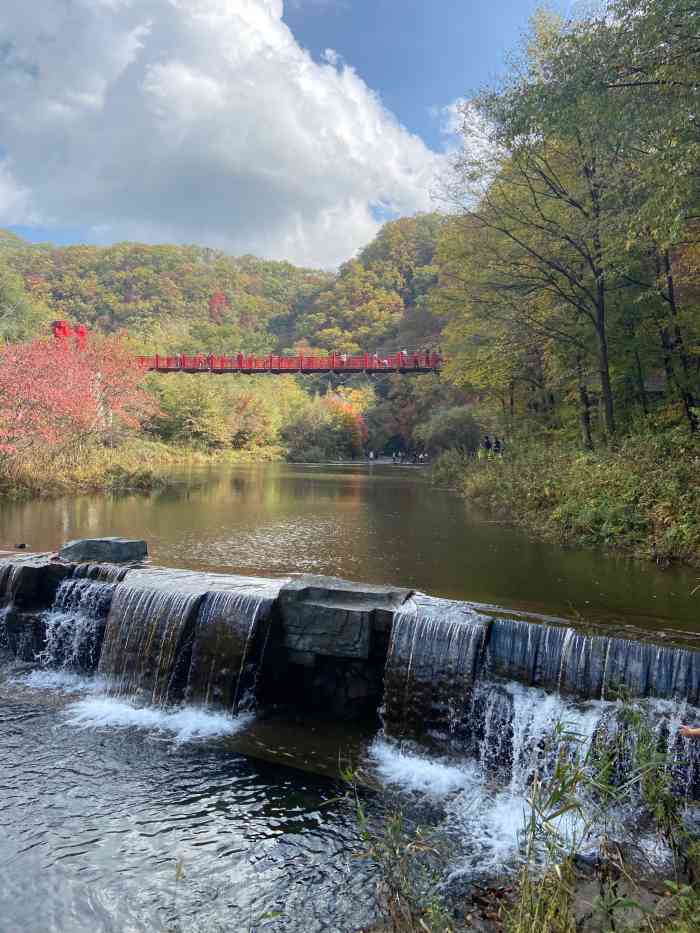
x=419 y=55
x=228 y=124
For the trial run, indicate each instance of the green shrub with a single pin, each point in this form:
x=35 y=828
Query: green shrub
x=642 y=496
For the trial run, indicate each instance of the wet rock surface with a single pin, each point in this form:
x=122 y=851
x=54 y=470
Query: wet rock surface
x=32 y=581
x=330 y=617
x=113 y=550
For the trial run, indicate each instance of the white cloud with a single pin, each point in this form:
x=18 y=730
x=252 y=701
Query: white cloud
x=14 y=200
x=196 y=120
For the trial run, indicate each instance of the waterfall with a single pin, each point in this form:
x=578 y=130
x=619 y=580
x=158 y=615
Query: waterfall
x=106 y=573
x=74 y=626
x=562 y=659
x=4 y=638
x=224 y=655
x=496 y=689
x=148 y=640
x=434 y=655
x=8 y=576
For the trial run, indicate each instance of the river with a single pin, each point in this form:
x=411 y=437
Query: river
x=118 y=818
x=376 y=524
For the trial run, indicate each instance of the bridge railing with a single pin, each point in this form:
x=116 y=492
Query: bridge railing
x=334 y=362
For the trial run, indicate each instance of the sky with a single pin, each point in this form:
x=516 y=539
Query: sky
x=289 y=129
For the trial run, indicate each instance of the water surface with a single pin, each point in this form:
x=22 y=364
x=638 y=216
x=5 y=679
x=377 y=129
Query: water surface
x=377 y=524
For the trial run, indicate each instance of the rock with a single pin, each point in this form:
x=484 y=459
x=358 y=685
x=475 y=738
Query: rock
x=113 y=550
x=335 y=618
x=31 y=582
x=23 y=634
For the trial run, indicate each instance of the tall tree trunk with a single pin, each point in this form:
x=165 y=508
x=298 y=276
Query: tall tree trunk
x=640 y=383
x=687 y=394
x=585 y=402
x=674 y=346
x=604 y=363
x=601 y=322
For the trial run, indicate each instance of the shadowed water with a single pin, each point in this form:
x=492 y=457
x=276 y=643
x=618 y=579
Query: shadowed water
x=98 y=809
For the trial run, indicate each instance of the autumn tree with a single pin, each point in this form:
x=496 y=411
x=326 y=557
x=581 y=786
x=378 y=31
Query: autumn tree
x=54 y=397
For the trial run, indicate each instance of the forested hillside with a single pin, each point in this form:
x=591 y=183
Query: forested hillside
x=190 y=298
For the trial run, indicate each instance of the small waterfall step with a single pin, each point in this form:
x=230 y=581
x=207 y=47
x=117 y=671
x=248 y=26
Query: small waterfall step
x=498 y=688
x=434 y=657
x=229 y=640
x=75 y=624
x=164 y=626
x=106 y=573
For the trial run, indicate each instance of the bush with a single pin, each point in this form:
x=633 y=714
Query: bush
x=450 y=429
x=327 y=429
x=449 y=468
x=643 y=496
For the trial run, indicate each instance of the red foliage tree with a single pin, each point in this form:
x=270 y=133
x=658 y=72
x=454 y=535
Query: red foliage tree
x=217 y=303
x=53 y=394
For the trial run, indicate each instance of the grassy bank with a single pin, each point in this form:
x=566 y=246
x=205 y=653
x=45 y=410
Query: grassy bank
x=641 y=496
x=135 y=464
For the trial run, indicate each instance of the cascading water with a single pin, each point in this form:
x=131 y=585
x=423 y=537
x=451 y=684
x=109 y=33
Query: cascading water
x=496 y=689
x=224 y=659
x=148 y=640
x=4 y=639
x=106 y=573
x=75 y=625
x=593 y=666
x=8 y=575
x=434 y=655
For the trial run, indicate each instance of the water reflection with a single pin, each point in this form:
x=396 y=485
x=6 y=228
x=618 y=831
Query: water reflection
x=377 y=524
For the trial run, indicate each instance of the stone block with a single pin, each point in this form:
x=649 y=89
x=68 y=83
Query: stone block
x=112 y=550
x=31 y=582
x=22 y=633
x=334 y=618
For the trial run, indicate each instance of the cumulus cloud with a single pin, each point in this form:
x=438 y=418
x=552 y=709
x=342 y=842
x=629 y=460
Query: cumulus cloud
x=199 y=121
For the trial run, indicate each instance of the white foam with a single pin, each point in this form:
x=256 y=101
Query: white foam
x=183 y=724
x=489 y=827
x=65 y=681
x=411 y=772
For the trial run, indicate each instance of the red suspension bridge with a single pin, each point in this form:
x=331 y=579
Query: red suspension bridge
x=403 y=361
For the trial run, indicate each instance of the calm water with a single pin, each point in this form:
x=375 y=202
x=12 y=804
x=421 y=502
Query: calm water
x=375 y=524
x=117 y=819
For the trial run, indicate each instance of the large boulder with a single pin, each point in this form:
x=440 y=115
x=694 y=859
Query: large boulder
x=335 y=618
x=112 y=550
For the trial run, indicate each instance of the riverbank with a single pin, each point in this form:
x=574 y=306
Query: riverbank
x=138 y=463
x=641 y=497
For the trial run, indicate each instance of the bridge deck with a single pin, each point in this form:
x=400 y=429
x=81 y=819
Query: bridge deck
x=406 y=363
